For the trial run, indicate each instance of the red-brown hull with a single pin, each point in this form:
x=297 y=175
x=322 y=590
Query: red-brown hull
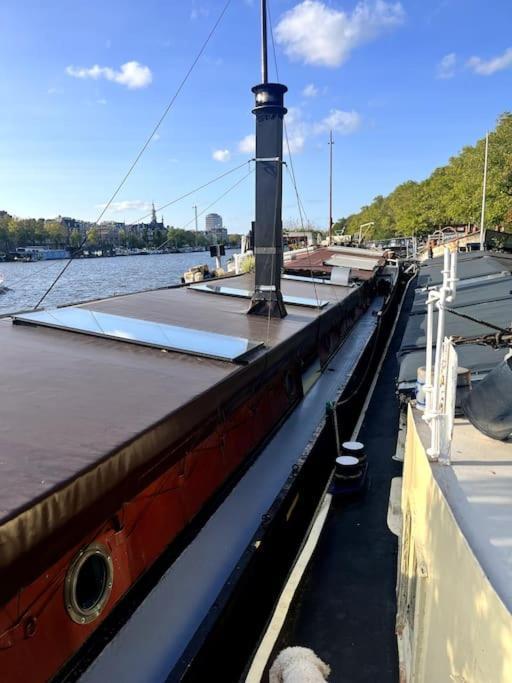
x=37 y=635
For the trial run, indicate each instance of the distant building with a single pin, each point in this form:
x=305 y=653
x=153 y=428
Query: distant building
x=215 y=231
x=109 y=230
x=212 y=222
x=83 y=227
x=155 y=229
x=218 y=235
x=66 y=221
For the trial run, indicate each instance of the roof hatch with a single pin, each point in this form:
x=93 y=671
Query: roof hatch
x=143 y=332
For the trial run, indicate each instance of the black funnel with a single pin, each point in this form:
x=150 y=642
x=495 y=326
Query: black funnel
x=268 y=228
x=488 y=406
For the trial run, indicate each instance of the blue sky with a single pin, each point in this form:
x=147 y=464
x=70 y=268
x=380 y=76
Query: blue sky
x=405 y=86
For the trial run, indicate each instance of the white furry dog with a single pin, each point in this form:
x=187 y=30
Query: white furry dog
x=298 y=665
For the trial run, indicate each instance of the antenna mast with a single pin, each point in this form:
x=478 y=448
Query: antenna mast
x=195 y=215
x=331 y=143
x=264 y=58
x=484 y=190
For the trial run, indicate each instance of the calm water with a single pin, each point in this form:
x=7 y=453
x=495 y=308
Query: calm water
x=90 y=278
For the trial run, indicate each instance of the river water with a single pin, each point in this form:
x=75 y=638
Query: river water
x=93 y=278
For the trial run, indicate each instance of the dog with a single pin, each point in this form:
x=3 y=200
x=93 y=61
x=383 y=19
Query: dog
x=298 y=665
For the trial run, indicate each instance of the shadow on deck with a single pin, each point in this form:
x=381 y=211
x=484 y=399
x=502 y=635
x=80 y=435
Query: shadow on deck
x=345 y=607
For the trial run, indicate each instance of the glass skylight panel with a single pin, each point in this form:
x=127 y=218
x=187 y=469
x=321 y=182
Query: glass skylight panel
x=305 y=278
x=143 y=332
x=247 y=294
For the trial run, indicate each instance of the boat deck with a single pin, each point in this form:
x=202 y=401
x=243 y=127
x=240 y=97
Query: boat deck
x=345 y=606
x=316 y=262
x=193 y=583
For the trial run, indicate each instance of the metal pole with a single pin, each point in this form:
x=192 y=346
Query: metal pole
x=331 y=143
x=482 y=218
x=264 y=62
x=428 y=365
x=444 y=292
x=195 y=212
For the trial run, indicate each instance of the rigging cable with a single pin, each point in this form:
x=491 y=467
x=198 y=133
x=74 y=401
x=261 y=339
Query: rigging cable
x=145 y=145
x=226 y=192
x=187 y=194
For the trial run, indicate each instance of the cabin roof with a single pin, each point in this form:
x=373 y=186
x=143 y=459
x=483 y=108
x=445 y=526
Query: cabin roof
x=67 y=398
x=70 y=401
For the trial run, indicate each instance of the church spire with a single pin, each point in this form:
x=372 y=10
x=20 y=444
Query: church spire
x=153 y=214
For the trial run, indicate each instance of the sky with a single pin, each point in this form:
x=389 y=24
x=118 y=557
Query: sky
x=403 y=85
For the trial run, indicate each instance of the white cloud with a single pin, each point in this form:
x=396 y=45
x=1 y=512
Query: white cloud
x=155 y=137
x=446 y=67
x=315 y=33
x=491 y=66
x=299 y=129
x=127 y=205
x=344 y=122
x=102 y=100
x=198 y=12
x=248 y=144
x=221 y=155
x=131 y=74
x=310 y=90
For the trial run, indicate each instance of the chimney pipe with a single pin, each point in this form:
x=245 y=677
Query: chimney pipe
x=268 y=229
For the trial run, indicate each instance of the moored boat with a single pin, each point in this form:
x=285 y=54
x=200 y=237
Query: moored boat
x=129 y=420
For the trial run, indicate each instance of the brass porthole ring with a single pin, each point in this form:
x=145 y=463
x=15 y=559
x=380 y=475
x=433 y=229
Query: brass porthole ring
x=88 y=584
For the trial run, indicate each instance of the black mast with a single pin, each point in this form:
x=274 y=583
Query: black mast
x=268 y=229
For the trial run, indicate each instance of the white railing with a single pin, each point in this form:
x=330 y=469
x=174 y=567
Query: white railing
x=441 y=380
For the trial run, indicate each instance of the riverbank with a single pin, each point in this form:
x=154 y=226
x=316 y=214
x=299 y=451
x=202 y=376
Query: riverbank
x=19 y=258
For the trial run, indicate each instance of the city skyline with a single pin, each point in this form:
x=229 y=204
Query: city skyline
x=403 y=85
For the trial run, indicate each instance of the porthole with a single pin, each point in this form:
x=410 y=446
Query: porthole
x=88 y=584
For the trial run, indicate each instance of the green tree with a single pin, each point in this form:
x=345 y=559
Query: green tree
x=451 y=195
x=75 y=239
x=56 y=233
x=93 y=238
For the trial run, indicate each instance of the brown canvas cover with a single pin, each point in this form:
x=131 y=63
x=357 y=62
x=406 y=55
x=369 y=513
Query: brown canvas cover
x=81 y=417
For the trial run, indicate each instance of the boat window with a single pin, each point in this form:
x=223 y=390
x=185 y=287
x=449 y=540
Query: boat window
x=88 y=583
x=143 y=332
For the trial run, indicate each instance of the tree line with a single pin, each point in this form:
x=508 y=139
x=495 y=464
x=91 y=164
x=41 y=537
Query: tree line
x=451 y=195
